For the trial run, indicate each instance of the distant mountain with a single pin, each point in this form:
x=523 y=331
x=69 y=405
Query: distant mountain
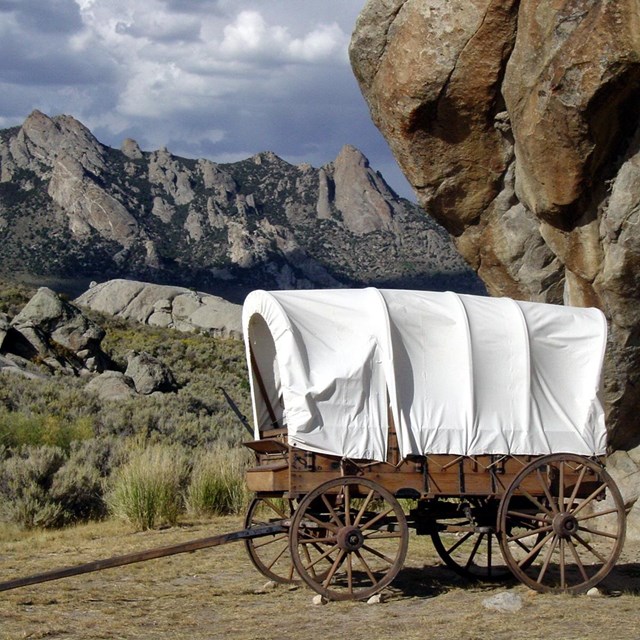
x=74 y=210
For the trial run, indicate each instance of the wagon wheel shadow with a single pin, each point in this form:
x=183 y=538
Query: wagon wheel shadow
x=434 y=580
x=624 y=578
x=431 y=581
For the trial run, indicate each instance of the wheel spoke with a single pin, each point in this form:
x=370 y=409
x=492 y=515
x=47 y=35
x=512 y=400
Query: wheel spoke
x=366 y=568
x=597 y=532
x=268 y=542
x=547 y=559
x=334 y=515
x=315 y=541
x=349 y=574
x=282 y=552
x=561 y=488
x=322 y=523
x=590 y=499
x=363 y=508
x=523 y=546
x=538 y=504
x=459 y=542
x=376 y=534
x=347 y=505
x=369 y=524
x=576 y=557
x=334 y=567
x=574 y=493
x=472 y=555
x=527 y=516
x=529 y=533
x=563 y=577
x=324 y=555
x=597 y=514
x=545 y=489
x=274 y=507
x=532 y=553
x=587 y=546
x=377 y=553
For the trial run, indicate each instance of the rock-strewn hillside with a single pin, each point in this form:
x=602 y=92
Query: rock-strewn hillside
x=70 y=207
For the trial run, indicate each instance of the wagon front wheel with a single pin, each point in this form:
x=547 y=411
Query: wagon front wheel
x=270 y=554
x=348 y=538
x=571 y=524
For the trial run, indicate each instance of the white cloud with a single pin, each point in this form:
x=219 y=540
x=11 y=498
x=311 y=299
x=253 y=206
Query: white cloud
x=222 y=78
x=324 y=42
x=250 y=35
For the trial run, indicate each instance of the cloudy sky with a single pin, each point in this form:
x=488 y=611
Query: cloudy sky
x=221 y=79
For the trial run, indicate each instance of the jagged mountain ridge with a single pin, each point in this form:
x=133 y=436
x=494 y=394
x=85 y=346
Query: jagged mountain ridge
x=73 y=207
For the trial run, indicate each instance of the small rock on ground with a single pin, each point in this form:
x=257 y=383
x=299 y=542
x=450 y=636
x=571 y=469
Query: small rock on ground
x=504 y=602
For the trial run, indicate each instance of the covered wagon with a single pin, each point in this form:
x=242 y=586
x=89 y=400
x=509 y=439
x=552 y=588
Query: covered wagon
x=477 y=421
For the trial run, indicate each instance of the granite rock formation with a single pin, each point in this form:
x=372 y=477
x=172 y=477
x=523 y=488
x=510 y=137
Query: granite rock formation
x=55 y=333
x=71 y=207
x=517 y=125
x=165 y=306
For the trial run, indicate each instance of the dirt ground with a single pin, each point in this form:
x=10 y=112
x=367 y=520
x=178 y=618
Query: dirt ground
x=216 y=593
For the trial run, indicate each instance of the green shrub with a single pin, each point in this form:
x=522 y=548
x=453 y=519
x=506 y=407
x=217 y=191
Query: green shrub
x=47 y=487
x=217 y=485
x=147 y=490
x=19 y=429
x=25 y=481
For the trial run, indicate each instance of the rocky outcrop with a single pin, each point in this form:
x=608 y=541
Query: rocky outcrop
x=149 y=374
x=112 y=386
x=165 y=306
x=57 y=334
x=517 y=124
x=69 y=206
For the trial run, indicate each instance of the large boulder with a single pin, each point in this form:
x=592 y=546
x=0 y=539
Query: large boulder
x=165 y=306
x=112 y=386
x=517 y=125
x=149 y=374
x=56 y=333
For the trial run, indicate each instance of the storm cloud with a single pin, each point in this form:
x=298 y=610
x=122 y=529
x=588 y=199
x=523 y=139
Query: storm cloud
x=222 y=79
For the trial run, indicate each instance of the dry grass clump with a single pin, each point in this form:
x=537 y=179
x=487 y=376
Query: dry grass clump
x=217 y=484
x=159 y=483
x=147 y=490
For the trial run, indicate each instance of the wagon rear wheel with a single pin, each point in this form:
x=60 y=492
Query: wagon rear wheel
x=571 y=524
x=270 y=554
x=465 y=538
x=349 y=538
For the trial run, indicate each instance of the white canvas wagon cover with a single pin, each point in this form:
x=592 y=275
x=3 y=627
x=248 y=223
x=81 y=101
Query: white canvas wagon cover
x=459 y=374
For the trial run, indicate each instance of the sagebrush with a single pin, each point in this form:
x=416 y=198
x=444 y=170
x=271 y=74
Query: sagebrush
x=91 y=438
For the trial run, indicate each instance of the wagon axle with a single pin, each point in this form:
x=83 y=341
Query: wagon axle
x=565 y=525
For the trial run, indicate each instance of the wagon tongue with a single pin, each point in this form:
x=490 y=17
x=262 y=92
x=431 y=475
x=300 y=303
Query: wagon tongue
x=150 y=554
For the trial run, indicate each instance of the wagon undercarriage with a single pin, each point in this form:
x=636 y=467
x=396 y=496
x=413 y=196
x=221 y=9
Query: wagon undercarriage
x=554 y=522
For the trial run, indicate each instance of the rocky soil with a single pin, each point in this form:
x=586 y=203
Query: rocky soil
x=216 y=593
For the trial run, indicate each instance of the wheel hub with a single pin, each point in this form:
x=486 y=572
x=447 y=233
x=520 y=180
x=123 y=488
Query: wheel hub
x=565 y=525
x=350 y=538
